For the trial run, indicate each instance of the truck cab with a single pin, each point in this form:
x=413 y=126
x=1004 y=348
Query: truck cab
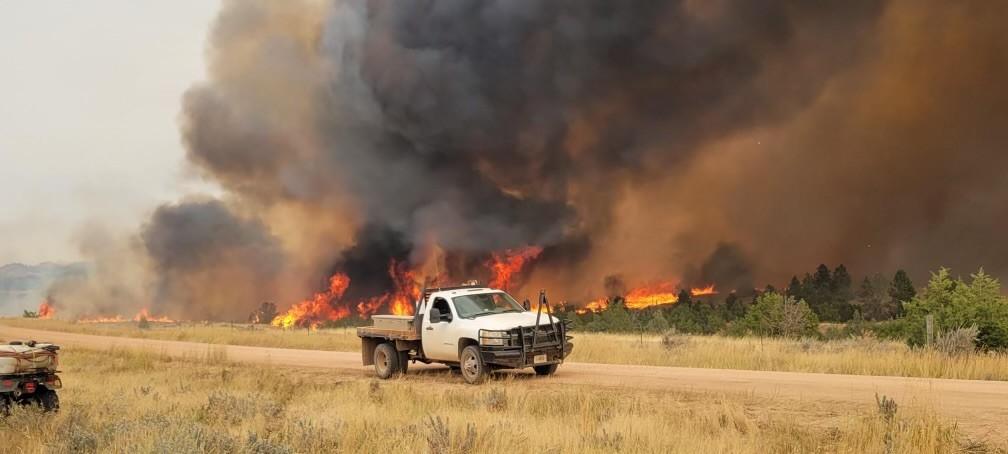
x=472 y=329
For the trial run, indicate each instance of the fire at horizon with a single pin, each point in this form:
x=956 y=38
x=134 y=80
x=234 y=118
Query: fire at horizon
x=648 y=295
x=47 y=311
x=505 y=267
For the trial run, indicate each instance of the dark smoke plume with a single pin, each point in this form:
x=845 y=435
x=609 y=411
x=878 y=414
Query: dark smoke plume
x=480 y=126
x=209 y=263
x=728 y=268
x=628 y=138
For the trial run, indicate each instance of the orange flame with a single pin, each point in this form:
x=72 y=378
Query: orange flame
x=504 y=266
x=406 y=283
x=314 y=311
x=45 y=310
x=651 y=295
x=703 y=291
x=401 y=300
x=144 y=314
x=648 y=296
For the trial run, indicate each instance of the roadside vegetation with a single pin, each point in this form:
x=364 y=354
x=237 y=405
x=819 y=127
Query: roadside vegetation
x=124 y=401
x=865 y=355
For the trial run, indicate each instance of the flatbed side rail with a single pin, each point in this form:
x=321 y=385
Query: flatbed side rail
x=390 y=334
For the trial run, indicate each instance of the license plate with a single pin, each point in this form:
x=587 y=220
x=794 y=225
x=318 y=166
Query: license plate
x=539 y=359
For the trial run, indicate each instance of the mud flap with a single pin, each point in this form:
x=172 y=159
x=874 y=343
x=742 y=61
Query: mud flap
x=368 y=346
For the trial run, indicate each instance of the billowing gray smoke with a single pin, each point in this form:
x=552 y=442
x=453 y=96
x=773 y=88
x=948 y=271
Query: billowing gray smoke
x=479 y=126
x=628 y=138
x=212 y=263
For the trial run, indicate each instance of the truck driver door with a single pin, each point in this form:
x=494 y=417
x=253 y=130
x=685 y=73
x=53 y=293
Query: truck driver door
x=436 y=335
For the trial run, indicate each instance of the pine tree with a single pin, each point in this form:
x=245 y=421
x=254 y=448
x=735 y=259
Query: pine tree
x=873 y=299
x=818 y=292
x=901 y=290
x=822 y=279
x=795 y=289
x=866 y=300
x=841 y=295
x=734 y=309
x=685 y=297
x=841 y=284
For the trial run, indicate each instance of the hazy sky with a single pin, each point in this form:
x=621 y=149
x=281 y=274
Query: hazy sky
x=89 y=103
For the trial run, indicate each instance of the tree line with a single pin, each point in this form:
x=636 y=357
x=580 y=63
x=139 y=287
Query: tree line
x=890 y=307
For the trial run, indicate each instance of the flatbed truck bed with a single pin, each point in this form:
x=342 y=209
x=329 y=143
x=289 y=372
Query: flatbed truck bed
x=393 y=334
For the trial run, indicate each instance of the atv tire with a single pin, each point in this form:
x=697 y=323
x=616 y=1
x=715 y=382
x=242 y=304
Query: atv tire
x=48 y=400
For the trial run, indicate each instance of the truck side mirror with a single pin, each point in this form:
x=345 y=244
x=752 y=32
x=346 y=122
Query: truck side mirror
x=527 y=305
x=435 y=315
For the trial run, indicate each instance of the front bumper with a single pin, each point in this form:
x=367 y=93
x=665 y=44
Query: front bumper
x=526 y=350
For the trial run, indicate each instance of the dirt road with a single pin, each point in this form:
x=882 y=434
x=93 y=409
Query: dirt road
x=980 y=407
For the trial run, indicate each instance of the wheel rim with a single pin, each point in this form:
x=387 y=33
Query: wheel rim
x=470 y=365
x=382 y=361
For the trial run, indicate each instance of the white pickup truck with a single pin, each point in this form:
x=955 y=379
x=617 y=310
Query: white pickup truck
x=473 y=329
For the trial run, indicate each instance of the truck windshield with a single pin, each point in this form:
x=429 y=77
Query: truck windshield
x=469 y=306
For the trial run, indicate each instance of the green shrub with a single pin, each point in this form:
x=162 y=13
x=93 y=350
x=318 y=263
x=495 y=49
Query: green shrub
x=887 y=329
x=778 y=315
x=955 y=303
x=657 y=324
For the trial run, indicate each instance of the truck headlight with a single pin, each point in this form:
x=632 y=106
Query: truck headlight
x=496 y=338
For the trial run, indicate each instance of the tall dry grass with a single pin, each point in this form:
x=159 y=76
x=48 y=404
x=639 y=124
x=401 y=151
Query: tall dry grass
x=133 y=402
x=339 y=339
x=860 y=356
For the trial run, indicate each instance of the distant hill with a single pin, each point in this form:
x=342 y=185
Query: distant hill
x=23 y=286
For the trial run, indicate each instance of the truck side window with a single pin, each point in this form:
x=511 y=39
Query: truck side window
x=442 y=306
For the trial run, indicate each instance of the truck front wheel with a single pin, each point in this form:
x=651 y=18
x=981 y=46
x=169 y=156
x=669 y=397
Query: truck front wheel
x=546 y=369
x=386 y=361
x=474 y=370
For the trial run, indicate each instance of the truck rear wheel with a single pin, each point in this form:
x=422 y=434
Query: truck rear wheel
x=474 y=370
x=386 y=361
x=546 y=369
x=5 y=404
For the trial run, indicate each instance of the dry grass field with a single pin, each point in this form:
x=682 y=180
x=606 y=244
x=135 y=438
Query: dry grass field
x=130 y=402
x=341 y=339
x=861 y=356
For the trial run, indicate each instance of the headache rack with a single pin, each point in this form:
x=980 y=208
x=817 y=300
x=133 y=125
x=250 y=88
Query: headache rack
x=550 y=338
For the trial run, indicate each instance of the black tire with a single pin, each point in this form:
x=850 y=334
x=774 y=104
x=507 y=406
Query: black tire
x=5 y=404
x=546 y=369
x=474 y=370
x=48 y=399
x=386 y=361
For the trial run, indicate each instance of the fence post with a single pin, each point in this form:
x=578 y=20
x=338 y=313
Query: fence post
x=929 y=329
